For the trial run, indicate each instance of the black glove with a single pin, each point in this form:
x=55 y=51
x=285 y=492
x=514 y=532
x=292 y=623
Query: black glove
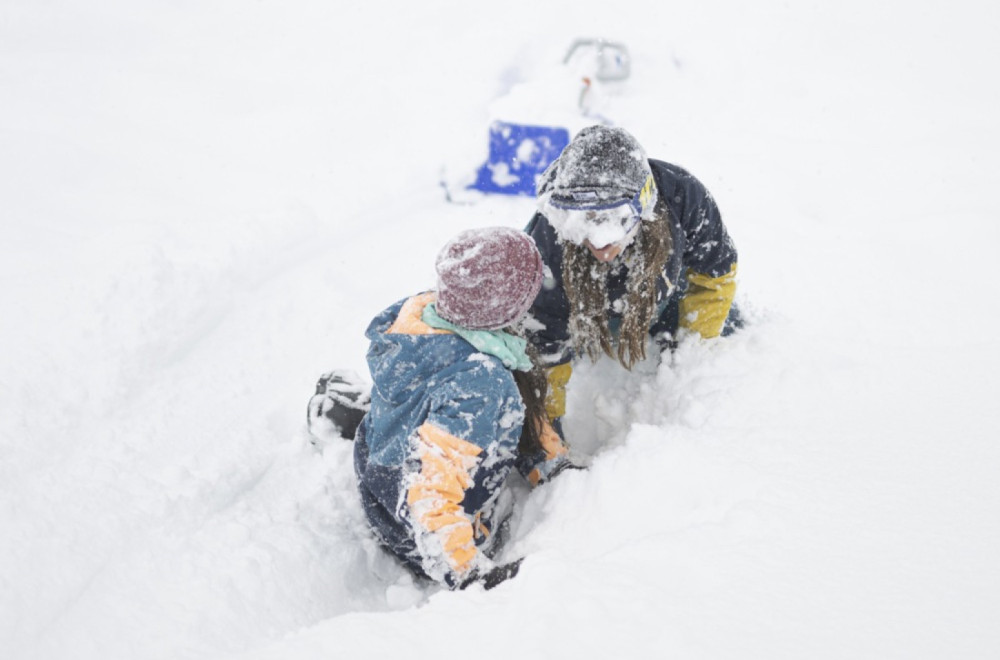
x=560 y=468
x=665 y=341
x=494 y=576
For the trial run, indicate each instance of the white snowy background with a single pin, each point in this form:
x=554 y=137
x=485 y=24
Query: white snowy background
x=203 y=204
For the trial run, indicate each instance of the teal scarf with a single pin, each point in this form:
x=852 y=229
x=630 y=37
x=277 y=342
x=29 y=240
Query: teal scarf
x=506 y=347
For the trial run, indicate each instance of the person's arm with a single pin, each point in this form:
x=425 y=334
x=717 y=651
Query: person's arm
x=548 y=323
x=710 y=262
x=456 y=446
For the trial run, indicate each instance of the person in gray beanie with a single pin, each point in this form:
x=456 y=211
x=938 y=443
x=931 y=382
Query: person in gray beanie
x=634 y=248
x=456 y=404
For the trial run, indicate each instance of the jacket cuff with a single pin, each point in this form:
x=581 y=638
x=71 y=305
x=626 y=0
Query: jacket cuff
x=705 y=305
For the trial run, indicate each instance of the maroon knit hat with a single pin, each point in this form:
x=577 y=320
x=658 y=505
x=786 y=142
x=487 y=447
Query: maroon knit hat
x=488 y=278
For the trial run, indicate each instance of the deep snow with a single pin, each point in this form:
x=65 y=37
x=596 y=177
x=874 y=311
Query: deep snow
x=204 y=204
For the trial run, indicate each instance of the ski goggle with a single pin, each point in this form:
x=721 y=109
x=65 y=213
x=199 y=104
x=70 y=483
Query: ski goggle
x=580 y=216
x=600 y=227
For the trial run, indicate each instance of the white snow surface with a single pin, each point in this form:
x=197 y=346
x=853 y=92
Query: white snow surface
x=205 y=203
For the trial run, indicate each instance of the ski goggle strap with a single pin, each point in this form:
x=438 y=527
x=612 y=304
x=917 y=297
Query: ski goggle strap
x=590 y=200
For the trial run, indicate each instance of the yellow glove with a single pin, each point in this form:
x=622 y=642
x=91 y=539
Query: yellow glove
x=706 y=303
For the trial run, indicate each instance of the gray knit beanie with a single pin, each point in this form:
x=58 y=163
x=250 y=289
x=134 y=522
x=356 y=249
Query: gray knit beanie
x=601 y=165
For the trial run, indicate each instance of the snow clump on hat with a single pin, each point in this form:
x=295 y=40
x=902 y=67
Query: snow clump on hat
x=488 y=278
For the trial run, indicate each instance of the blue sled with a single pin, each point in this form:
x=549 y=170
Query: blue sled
x=518 y=155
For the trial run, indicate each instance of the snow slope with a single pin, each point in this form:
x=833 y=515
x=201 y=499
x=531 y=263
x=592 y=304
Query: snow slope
x=204 y=204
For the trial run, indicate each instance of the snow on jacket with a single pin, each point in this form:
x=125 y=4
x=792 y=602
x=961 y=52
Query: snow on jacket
x=697 y=283
x=438 y=442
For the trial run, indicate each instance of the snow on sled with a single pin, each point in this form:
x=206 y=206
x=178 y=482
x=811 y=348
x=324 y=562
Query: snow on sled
x=534 y=121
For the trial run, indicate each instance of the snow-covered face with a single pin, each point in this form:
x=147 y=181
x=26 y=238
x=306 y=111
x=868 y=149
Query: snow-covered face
x=595 y=228
x=600 y=218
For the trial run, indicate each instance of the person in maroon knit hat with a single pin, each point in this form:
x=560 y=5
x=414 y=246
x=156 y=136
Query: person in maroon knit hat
x=457 y=406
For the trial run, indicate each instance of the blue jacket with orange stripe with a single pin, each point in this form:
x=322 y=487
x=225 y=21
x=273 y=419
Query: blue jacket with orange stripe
x=438 y=442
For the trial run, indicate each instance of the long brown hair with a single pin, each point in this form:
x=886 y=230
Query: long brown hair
x=533 y=387
x=586 y=282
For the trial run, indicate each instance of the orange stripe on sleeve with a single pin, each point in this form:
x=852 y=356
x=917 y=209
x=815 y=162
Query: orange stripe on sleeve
x=437 y=491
